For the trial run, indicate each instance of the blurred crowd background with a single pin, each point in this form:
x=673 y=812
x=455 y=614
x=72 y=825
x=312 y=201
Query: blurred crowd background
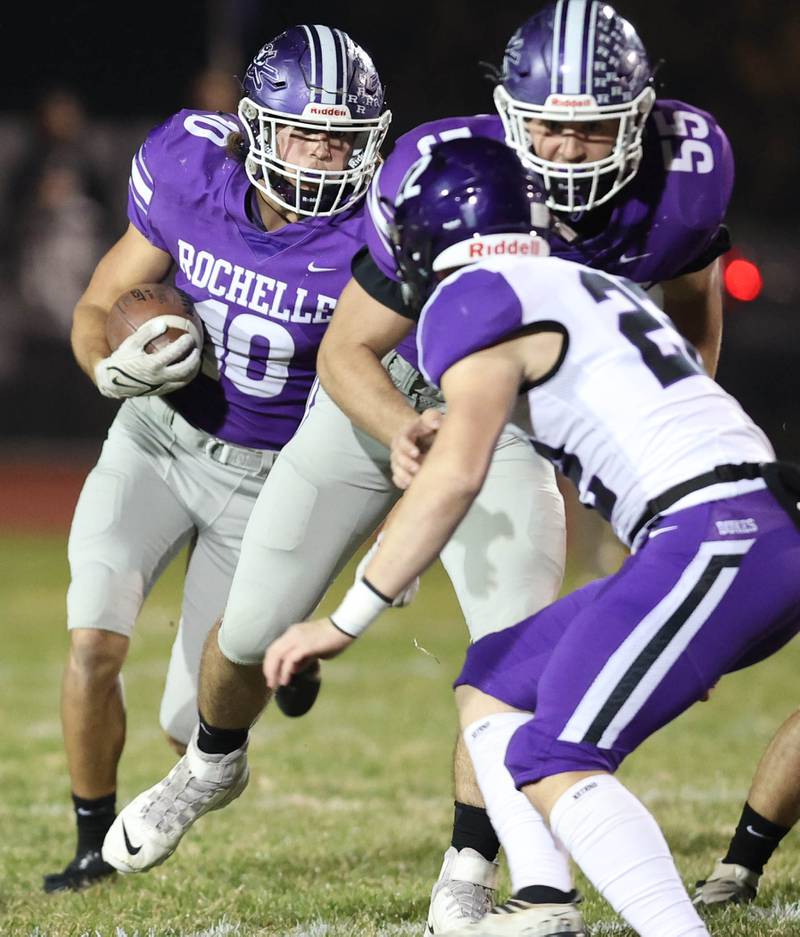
x=82 y=90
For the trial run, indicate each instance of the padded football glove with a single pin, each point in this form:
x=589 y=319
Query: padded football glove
x=130 y=371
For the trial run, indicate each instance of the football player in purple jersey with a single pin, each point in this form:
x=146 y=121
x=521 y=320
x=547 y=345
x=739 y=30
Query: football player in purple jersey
x=258 y=215
x=662 y=222
x=639 y=187
x=622 y=404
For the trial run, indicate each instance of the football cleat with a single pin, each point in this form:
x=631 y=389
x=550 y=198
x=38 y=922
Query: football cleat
x=148 y=830
x=84 y=870
x=728 y=884
x=518 y=918
x=300 y=694
x=463 y=893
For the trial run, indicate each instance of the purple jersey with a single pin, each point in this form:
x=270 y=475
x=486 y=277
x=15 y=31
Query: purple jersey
x=657 y=226
x=265 y=297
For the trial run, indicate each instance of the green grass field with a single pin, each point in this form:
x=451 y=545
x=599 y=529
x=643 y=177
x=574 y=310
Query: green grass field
x=343 y=826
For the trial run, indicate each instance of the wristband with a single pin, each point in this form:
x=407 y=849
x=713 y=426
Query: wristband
x=359 y=608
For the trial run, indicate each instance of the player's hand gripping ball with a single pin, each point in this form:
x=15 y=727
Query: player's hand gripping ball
x=156 y=337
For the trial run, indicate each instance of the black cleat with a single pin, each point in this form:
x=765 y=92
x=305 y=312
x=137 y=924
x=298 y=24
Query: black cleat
x=299 y=696
x=83 y=871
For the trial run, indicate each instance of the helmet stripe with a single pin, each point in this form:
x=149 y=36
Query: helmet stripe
x=558 y=45
x=341 y=64
x=329 y=66
x=590 y=36
x=314 y=55
x=573 y=46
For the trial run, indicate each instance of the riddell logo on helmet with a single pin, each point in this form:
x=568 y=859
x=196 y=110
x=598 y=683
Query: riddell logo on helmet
x=325 y=110
x=528 y=247
x=487 y=246
x=582 y=100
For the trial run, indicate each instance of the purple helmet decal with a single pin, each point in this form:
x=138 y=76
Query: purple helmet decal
x=317 y=80
x=466 y=200
x=577 y=61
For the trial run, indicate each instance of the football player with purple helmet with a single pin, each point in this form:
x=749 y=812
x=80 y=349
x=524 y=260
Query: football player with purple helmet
x=639 y=188
x=663 y=225
x=576 y=76
x=621 y=403
x=259 y=217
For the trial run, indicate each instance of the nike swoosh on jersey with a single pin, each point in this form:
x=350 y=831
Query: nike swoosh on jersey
x=313 y=268
x=128 y=844
x=629 y=260
x=661 y=530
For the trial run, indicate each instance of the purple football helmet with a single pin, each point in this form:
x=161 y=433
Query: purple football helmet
x=316 y=79
x=577 y=60
x=468 y=199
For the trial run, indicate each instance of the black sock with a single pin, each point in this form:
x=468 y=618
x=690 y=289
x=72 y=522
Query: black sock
x=94 y=817
x=754 y=841
x=472 y=828
x=544 y=894
x=214 y=741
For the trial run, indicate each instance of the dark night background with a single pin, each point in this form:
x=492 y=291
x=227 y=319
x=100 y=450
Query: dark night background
x=133 y=65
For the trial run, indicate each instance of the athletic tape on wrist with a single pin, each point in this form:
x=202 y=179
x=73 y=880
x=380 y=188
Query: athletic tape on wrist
x=359 y=608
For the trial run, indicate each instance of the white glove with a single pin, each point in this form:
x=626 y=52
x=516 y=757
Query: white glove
x=131 y=372
x=406 y=597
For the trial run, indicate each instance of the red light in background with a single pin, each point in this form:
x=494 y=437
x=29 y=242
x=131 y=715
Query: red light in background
x=743 y=280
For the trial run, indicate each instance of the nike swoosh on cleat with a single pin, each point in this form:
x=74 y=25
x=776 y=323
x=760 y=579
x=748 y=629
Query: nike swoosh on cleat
x=133 y=850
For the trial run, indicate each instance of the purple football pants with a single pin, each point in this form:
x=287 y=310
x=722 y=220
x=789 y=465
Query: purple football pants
x=714 y=588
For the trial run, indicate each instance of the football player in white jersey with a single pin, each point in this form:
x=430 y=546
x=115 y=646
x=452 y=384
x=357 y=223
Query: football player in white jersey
x=259 y=214
x=621 y=403
x=575 y=76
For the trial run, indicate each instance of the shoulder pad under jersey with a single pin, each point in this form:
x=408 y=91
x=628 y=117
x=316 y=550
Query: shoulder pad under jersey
x=187 y=147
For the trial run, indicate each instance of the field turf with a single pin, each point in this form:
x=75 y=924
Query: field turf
x=348 y=812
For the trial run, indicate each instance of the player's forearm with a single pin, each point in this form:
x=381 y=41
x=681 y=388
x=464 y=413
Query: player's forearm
x=88 y=336
x=701 y=326
x=694 y=303
x=358 y=383
x=423 y=522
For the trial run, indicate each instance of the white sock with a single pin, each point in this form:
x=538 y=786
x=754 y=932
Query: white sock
x=533 y=855
x=623 y=853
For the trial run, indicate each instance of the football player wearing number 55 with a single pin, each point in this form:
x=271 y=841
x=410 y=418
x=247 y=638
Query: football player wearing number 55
x=259 y=214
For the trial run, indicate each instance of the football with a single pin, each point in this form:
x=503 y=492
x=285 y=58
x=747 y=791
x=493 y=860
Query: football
x=148 y=301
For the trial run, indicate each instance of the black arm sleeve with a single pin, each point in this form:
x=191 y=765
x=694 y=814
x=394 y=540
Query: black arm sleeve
x=719 y=245
x=380 y=287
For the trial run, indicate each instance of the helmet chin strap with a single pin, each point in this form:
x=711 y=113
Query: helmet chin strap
x=260 y=201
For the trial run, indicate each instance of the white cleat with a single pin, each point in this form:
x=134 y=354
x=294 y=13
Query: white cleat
x=148 y=830
x=728 y=884
x=463 y=893
x=518 y=918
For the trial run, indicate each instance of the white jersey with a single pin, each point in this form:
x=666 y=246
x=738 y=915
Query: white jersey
x=628 y=412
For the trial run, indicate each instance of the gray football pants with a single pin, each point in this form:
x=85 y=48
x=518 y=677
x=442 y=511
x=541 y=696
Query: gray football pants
x=331 y=487
x=159 y=484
